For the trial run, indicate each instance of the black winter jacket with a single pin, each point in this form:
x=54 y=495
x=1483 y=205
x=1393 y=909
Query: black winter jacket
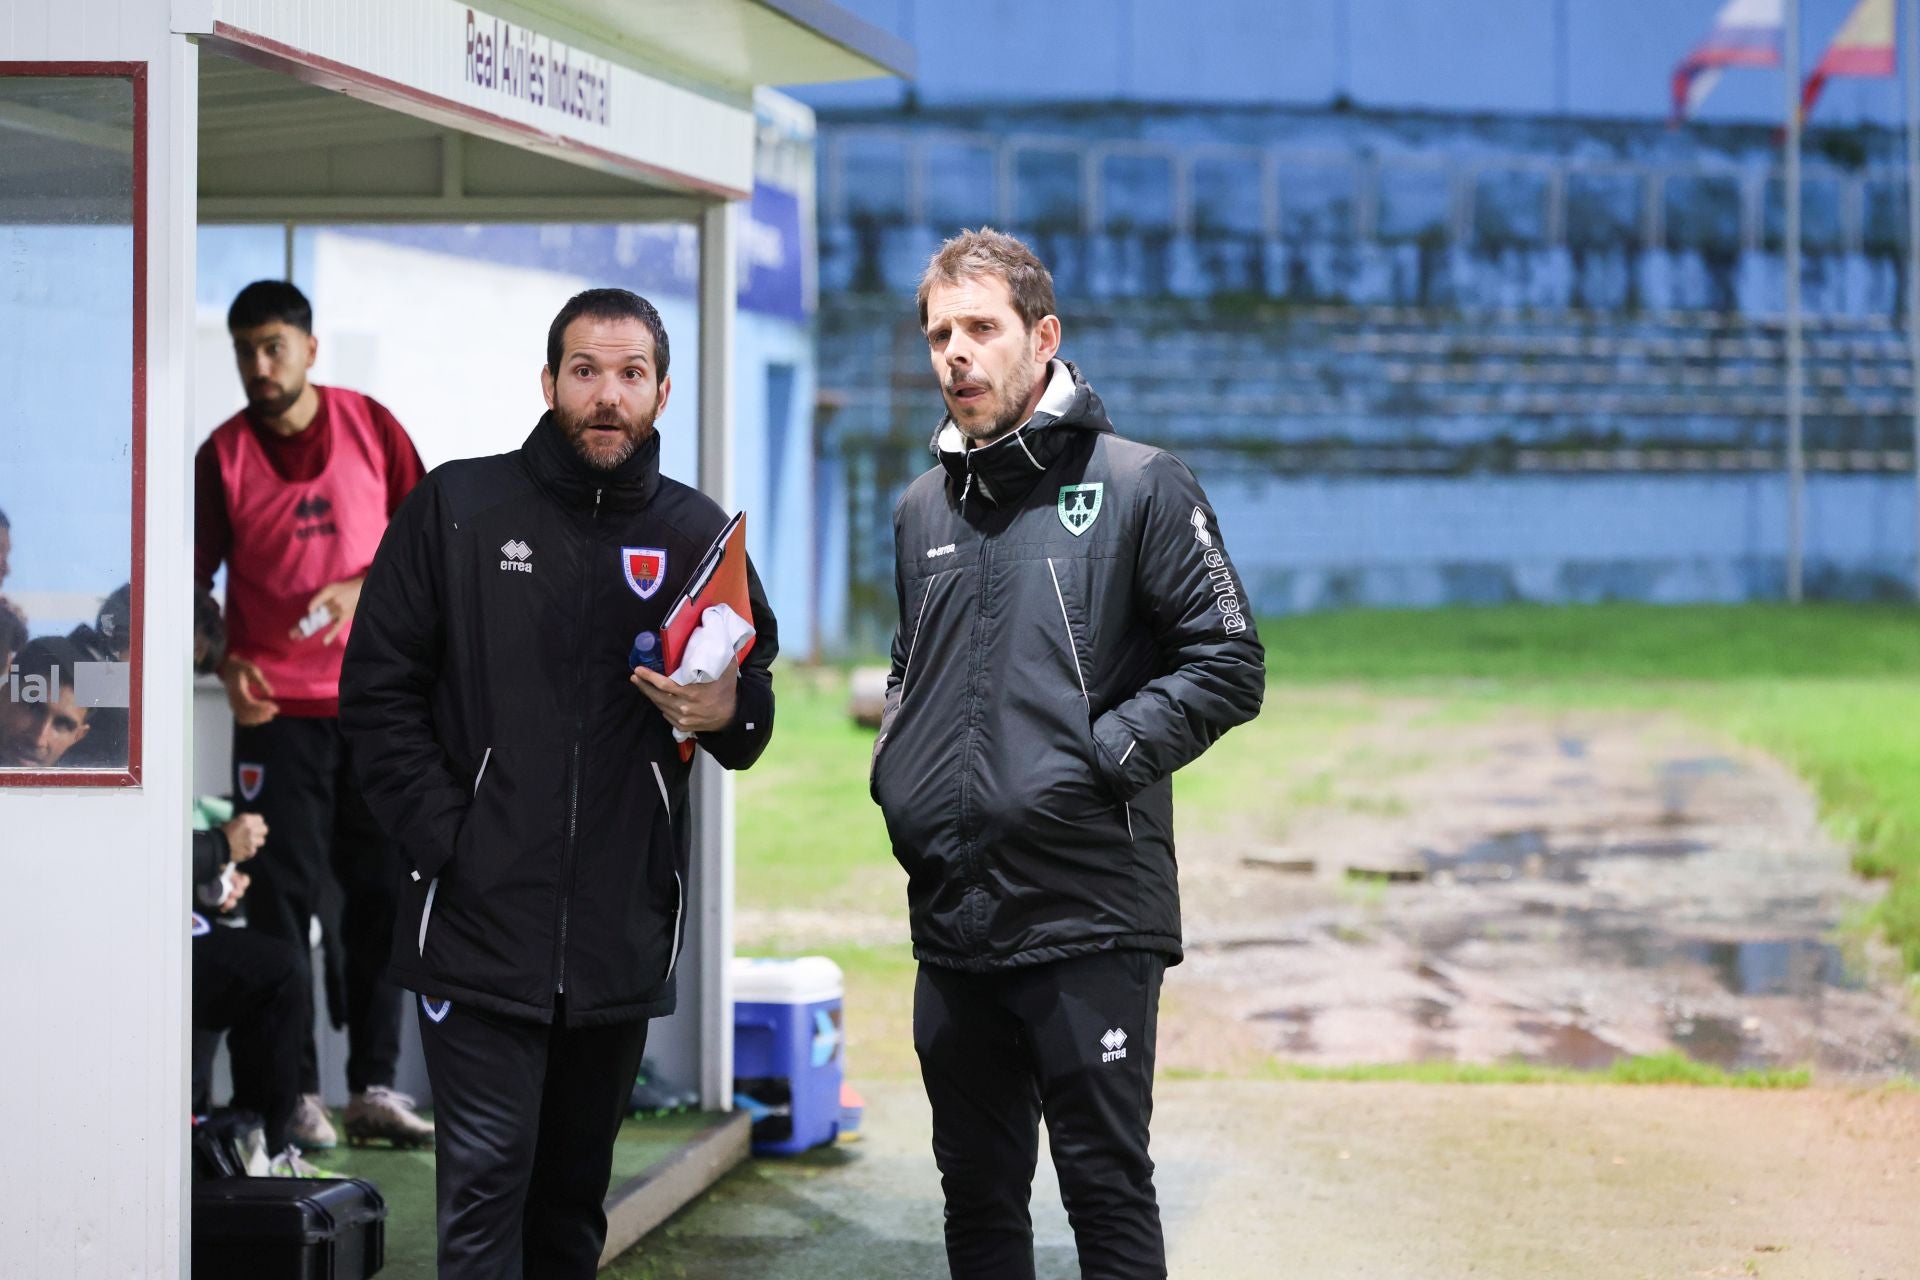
x=1071 y=633
x=539 y=797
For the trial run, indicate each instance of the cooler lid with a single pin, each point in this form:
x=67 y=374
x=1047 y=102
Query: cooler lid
x=804 y=980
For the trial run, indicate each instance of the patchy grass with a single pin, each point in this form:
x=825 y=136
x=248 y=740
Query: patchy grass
x=807 y=833
x=1612 y=642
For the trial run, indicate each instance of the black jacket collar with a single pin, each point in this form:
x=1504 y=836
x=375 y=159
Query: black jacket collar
x=561 y=471
x=1004 y=472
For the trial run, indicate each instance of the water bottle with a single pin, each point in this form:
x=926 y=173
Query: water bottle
x=646 y=653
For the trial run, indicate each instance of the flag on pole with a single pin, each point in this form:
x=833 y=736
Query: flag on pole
x=1864 y=47
x=1747 y=33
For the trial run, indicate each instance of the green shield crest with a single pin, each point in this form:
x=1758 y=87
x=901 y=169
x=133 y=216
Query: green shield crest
x=1080 y=506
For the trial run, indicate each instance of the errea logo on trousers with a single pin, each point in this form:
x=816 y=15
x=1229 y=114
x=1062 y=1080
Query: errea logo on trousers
x=1115 y=1044
x=517 y=555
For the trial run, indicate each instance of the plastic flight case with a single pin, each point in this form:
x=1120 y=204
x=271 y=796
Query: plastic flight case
x=288 y=1229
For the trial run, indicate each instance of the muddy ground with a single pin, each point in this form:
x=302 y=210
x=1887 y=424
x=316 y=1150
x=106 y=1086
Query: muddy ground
x=1559 y=889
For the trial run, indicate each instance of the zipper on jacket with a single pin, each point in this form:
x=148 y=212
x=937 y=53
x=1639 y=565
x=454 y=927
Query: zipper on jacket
x=573 y=789
x=969 y=837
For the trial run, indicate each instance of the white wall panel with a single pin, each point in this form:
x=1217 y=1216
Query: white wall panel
x=93 y=1007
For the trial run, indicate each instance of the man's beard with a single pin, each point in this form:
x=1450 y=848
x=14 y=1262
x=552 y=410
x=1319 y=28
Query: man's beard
x=275 y=405
x=611 y=455
x=1010 y=409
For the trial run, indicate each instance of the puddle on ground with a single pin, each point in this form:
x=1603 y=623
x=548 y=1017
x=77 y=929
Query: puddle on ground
x=1528 y=854
x=1774 y=966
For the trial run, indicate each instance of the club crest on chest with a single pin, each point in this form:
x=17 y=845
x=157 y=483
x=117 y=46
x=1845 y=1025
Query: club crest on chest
x=645 y=569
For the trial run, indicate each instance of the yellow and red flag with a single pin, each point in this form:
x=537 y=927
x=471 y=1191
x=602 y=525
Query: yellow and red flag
x=1864 y=47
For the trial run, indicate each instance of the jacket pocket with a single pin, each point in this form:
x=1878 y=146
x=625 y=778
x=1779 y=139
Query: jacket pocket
x=679 y=884
x=426 y=914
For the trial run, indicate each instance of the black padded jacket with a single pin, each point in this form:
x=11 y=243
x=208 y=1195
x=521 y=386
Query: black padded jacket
x=539 y=798
x=1071 y=632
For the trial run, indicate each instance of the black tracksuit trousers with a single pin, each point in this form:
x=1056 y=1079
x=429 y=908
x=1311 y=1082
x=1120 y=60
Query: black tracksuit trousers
x=525 y=1116
x=324 y=855
x=1073 y=1041
x=249 y=986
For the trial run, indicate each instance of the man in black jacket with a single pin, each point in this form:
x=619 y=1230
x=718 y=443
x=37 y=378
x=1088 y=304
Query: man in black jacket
x=1071 y=632
x=533 y=780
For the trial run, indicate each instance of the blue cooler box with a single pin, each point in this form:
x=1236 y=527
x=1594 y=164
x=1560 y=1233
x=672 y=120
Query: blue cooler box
x=787 y=1059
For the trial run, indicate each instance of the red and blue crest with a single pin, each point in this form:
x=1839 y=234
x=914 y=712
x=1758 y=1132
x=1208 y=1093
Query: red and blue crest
x=646 y=569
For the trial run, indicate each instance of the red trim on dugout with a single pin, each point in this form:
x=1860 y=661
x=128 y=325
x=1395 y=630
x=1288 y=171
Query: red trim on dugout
x=315 y=69
x=136 y=74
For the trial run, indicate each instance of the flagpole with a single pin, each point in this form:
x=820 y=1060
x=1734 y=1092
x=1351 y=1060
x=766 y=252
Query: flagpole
x=1796 y=460
x=1913 y=258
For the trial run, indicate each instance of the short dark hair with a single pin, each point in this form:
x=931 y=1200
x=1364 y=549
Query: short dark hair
x=986 y=252
x=608 y=304
x=265 y=301
x=210 y=628
x=13 y=633
x=51 y=654
x=115 y=619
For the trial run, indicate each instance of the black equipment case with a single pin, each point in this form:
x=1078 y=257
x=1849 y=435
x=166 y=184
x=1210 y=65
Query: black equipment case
x=288 y=1229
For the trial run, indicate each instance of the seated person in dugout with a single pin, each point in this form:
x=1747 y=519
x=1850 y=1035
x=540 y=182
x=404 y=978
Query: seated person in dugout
x=244 y=983
x=40 y=721
x=109 y=639
x=13 y=636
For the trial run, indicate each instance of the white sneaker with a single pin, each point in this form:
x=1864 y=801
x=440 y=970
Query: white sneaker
x=311 y=1129
x=288 y=1164
x=253 y=1150
x=383 y=1113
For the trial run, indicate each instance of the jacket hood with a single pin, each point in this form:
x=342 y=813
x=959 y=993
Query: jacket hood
x=573 y=481
x=1006 y=470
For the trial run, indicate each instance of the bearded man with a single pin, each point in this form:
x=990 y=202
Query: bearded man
x=530 y=775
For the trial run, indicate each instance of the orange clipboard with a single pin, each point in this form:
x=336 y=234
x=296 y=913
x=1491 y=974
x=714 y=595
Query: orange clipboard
x=719 y=578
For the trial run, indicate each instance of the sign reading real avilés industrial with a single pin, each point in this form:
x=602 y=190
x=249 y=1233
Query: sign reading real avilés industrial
x=531 y=74
x=529 y=67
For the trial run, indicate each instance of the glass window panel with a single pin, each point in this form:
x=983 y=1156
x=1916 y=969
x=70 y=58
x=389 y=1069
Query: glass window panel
x=875 y=172
x=67 y=432
x=1414 y=204
x=1316 y=202
x=1510 y=208
x=1603 y=210
x=1136 y=193
x=1820 y=226
x=1226 y=196
x=1885 y=216
x=960 y=186
x=1046 y=190
x=1703 y=213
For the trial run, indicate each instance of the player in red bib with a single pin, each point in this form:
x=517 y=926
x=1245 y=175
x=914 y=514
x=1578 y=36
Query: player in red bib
x=293 y=494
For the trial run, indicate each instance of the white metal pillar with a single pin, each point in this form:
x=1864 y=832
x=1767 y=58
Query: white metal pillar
x=712 y=785
x=1796 y=454
x=1913 y=257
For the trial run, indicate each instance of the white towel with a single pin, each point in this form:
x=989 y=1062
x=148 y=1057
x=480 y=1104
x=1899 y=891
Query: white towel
x=713 y=644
